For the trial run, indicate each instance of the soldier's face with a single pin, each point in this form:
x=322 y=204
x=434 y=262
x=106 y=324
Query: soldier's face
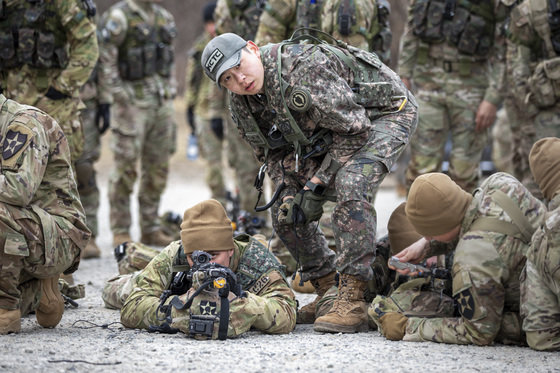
x=218 y=257
x=446 y=237
x=247 y=78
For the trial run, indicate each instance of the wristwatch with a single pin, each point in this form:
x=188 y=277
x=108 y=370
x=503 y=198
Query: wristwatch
x=316 y=188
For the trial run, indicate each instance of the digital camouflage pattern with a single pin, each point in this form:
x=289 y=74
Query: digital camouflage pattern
x=270 y=306
x=240 y=17
x=540 y=284
x=42 y=222
x=450 y=85
x=28 y=85
x=486 y=270
x=365 y=144
x=143 y=127
x=535 y=67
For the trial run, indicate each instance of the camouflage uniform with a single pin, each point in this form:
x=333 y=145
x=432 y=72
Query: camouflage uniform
x=42 y=222
x=244 y=22
x=534 y=62
x=270 y=305
x=62 y=58
x=136 y=72
x=540 y=284
x=208 y=103
x=365 y=143
x=448 y=61
x=486 y=267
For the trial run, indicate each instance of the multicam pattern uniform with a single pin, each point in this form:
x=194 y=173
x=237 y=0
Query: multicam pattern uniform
x=42 y=222
x=540 y=284
x=535 y=65
x=450 y=86
x=28 y=85
x=143 y=127
x=270 y=305
x=365 y=144
x=486 y=270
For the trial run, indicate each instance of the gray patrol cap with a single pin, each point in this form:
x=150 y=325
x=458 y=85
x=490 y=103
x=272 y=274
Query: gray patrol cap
x=222 y=53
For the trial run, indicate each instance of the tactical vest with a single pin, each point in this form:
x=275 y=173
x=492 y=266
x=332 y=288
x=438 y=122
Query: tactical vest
x=31 y=34
x=246 y=15
x=255 y=261
x=146 y=50
x=308 y=14
x=374 y=95
x=467 y=24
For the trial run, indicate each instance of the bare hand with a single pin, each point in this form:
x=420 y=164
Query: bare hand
x=415 y=253
x=485 y=115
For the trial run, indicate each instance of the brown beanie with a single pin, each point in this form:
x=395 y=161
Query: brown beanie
x=544 y=161
x=436 y=204
x=206 y=227
x=401 y=232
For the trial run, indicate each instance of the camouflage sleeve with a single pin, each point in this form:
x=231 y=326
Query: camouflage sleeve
x=217 y=101
x=23 y=160
x=409 y=50
x=276 y=21
x=328 y=17
x=223 y=18
x=272 y=310
x=497 y=70
x=84 y=50
x=190 y=79
x=139 y=310
x=478 y=273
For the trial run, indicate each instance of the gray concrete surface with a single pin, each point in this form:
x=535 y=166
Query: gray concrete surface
x=90 y=339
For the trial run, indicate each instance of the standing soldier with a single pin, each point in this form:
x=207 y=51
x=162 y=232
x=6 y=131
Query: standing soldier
x=49 y=51
x=445 y=53
x=136 y=74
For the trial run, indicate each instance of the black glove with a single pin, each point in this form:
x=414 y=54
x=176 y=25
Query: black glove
x=190 y=118
x=103 y=115
x=304 y=208
x=217 y=125
x=55 y=94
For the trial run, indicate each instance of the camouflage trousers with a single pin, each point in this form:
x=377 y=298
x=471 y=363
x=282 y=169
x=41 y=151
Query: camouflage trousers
x=211 y=149
x=448 y=104
x=24 y=257
x=143 y=133
x=502 y=142
x=354 y=219
x=85 y=172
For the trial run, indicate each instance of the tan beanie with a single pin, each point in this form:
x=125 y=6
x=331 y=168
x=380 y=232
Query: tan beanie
x=206 y=227
x=544 y=161
x=401 y=233
x=435 y=204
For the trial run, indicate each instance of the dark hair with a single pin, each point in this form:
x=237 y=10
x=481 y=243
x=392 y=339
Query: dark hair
x=208 y=12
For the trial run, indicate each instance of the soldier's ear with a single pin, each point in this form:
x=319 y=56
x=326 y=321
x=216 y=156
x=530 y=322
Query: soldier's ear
x=253 y=48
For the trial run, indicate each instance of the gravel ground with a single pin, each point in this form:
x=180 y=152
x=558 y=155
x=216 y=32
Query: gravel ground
x=90 y=338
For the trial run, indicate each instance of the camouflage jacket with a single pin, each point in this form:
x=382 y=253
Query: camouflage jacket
x=240 y=17
x=257 y=270
x=27 y=84
x=118 y=32
x=486 y=270
x=328 y=82
x=36 y=174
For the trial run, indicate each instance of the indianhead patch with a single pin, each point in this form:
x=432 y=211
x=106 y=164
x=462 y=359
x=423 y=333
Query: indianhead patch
x=300 y=99
x=207 y=308
x=15 y=142
x=465 y=302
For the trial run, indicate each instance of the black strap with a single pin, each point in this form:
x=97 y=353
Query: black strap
x=224 y=317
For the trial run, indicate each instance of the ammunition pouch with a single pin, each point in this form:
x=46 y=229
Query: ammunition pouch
x=545 y=83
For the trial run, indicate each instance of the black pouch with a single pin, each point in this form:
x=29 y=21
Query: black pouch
x=26 y=45
x=471 y=36
x=453 y=28
x=164 y=59
x=134 y=64
x=150 y=56
x=434 y=21
x=7 y=49
x=45 y=49
x=419 y=12
x=61 y=57
x=167 y=33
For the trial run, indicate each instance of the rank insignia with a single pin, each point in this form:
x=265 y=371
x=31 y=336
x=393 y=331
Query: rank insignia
x=465 y=302
x=300 y=99
x=207 y=308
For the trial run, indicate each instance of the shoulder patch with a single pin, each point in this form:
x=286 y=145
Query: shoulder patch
x=465 y=302
x=300 y=99
x=14 y=143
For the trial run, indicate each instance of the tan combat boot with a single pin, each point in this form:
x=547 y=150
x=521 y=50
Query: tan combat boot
x=306 y=314
x=10 y=321
x=306 y=288
x=51 y=305
x=156 y=238
x=91 y=250
x=121 y=238
x=349 y=311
